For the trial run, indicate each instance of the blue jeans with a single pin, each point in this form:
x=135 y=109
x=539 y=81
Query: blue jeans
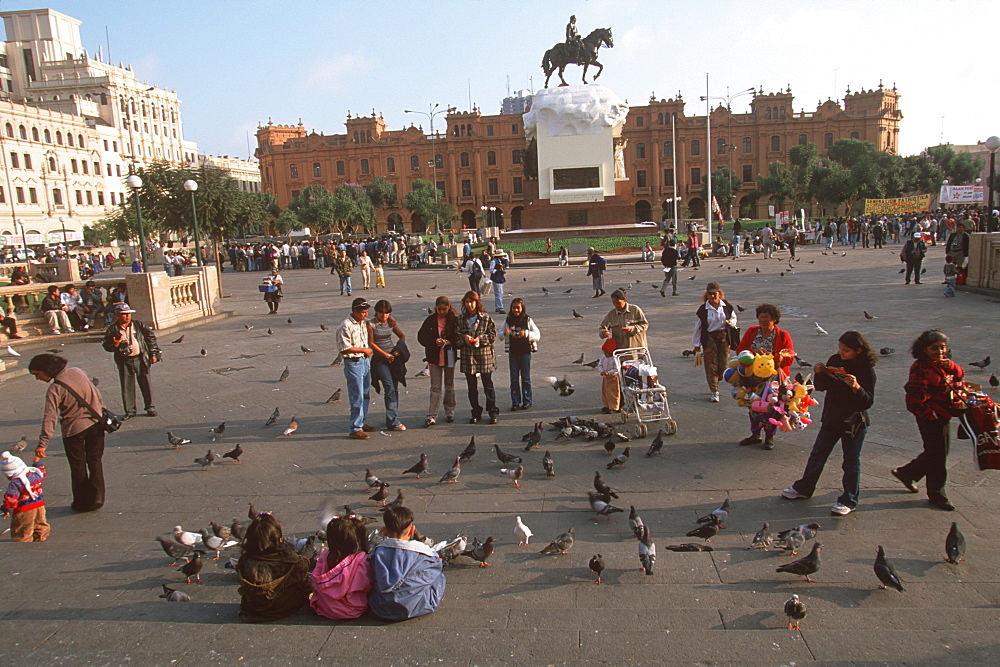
x=520 y=379
x=389 y=392
x=498 y=296
x=825 y=441
x=736 y=246
x=358 y=373
x=345 y=285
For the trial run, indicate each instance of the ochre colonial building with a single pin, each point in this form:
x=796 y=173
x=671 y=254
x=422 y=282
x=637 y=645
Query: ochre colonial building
x=477 y=161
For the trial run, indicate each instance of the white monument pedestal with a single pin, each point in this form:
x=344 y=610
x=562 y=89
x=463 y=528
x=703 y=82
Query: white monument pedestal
x=578 y=131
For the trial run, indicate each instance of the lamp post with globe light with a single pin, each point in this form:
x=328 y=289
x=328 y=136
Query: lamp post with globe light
x=24 y=238
x=135 y=183
x=62 y=225
x=191 y=186
x=431 y=113
x=992 y=144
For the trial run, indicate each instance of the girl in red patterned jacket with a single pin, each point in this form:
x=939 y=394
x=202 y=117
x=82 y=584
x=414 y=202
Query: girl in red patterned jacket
x=933 y=377
x=24 y=500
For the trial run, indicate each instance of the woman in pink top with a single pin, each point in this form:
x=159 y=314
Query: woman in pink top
x=343 y=575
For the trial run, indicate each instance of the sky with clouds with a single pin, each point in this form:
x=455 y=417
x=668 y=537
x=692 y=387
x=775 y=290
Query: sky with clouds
x=238 y=63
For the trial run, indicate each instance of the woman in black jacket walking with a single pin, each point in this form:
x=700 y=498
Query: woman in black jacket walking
x=849 y=380
x=438 y=334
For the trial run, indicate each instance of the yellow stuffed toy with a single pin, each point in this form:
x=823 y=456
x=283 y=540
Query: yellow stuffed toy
x=763 y=365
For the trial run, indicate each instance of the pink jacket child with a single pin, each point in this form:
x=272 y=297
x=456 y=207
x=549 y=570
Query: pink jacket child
x=340 y=590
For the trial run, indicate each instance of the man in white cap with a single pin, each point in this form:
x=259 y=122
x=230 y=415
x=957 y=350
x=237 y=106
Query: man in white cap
x=913 y=255
x=135 y=351
x=23 y=499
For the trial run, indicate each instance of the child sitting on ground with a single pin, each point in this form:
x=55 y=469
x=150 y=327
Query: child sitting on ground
x=24 y=499
x=950 y=275
x=611 y=387
x=342 y=576
x=274 y=580
x=379 y=275
x=408 y=580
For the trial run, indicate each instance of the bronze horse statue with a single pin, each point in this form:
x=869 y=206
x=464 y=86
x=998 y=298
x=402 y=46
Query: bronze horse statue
x=563 y=54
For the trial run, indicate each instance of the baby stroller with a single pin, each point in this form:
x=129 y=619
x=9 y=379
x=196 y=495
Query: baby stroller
x=642 y=392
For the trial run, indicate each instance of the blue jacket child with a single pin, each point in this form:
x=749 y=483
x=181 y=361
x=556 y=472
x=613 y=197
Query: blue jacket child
x=408 y=580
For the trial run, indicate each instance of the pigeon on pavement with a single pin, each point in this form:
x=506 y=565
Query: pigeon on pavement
x=621 y=459
x=808 y=531
x=172 y=595
x=335 y=396
x=592 y=364
x=533 y=438
x=706 y=531
x=886 y=573
x=175 y=550
x=762 y=540
x=804 y=566
x=179 y=340
x=820 y=330
x=647 y=551
x=235 y=453
x=305 y=350
x=192 y=568
x=185 y=537
x=982 y=363
x=504 y=457
x=380 y=495
x=284 y=375
x=600 y=507
x=211 y=542
x=203 y=352
x=176 y=441
x=577 y=316
x=582 y=357
x=372 y=480
x=522 y=531
x=688 y=546
x=19 y=446
x=719 y=514
x=220 y=531
x=793 y=539
x=602 y=487
x=560 y=545
x=273 y=419
x=469 y=451
x=549 y=465
x=994 y=382
x=954 y=544
x=12 y=352
x=886 y=351
x=293 y=426
x=397 y=501
x=597 y=565
x=420 y=467
x=795 y=611
x=635 y=522
x=451 y=476
x=657 y=444
x=514 y=473
x=206 y=461
x=217 y=431
x=562 y=386
x=481 y=551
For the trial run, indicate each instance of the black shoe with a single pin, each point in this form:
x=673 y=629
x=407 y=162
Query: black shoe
x=603 y=293
x=942 y=503
x=474 y=420
x=450 y=420
x=526 y=406
x=515 y=408
x=606 y=410
x=596 y=294
x=502 y=312
x=917 y=282
x=769 y=443
x=151 y=413
x=494 y=420
x=127 y=417
x=751 y=440
x=908 y=483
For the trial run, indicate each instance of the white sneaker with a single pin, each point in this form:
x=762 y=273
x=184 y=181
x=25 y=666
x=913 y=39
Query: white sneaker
x=791 y=494
x=715 y=397
x=841 y=509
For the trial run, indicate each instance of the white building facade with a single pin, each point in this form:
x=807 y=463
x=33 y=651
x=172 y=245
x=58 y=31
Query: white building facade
x=85 y=123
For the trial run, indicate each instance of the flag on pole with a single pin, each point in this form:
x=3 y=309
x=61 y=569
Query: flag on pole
x=716 y=209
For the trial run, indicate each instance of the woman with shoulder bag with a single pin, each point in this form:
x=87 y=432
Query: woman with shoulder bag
x=930 y=396
x=521 y=336
x=476 y=335
x=82 y=428
x=714 y=333
x=849 y=380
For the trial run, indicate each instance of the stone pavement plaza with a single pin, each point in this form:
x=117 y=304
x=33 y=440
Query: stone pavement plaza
x=89 y=594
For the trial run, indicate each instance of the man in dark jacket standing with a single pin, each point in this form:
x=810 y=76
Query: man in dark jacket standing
x=135 y=349
x=913 y=255
x=595 y=269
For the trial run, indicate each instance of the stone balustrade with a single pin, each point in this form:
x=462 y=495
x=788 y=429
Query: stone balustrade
x=984 y=261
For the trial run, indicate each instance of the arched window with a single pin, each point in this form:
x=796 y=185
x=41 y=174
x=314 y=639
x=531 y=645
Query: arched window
x=52 y=164
x=828 y=140
x=340 y=167
x=695 y=147
x=59 y=137
x=22 y=132
x=803 y=140
x=293 y=170
x=659 y=118
x=747 y=145
x=34 y=134
x=775 y=143
x=767 y=112
x=491 y=158
x=463 y=159
x=668 y=149
x=79 y=140
x=69 y=138
x=640 y=150
x=47 y=136
x=10 y=130
x=390 y=165
x=317 y=170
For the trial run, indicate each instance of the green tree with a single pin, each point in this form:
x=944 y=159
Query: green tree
x=355 y=210
x=725 y=186
x=920 y=175
x=959 y=168
x=778 y=185
x=421 y=200
x=803 y=162
x=381 y=192
x=833 y=185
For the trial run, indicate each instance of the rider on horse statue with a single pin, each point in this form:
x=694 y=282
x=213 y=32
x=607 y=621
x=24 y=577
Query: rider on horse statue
x=573 y=42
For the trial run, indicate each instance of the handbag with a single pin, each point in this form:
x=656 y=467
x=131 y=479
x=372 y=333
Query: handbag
x=733 y=333
x=108 y=420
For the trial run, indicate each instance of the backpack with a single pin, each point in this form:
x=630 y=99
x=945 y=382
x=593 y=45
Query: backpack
x=476 y=271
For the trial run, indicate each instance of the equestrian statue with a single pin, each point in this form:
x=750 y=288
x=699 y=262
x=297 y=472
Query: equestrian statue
x=576 y=51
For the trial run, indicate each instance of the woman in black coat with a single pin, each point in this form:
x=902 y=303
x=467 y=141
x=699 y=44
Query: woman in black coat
x=438 y=334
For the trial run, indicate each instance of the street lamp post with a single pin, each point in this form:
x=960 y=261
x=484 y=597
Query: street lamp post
x=730 y=147
x=135 y=183
x=62 y=224
x=24 y=238
x=191 y=186
x=993 y=144
x=431 y=113
x=489 y=214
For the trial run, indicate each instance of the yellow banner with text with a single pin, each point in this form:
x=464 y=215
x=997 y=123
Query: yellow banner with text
x=898 y=205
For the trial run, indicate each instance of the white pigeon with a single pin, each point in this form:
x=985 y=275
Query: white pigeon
x=185 y=537
x=820 y=330
x=523 y=532
x=12 y=352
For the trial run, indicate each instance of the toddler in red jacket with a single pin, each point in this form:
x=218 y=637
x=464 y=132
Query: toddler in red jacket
x=23 y=500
